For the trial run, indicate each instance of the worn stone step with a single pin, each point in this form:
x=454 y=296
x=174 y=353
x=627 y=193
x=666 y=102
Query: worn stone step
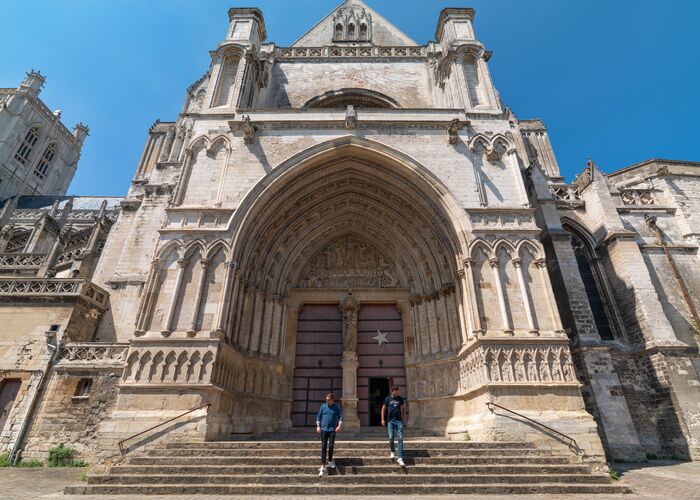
x=374 y=444
x=343 y=461
x=321 y=487
x=314 y=450
x=338 y=477
x=387 y=468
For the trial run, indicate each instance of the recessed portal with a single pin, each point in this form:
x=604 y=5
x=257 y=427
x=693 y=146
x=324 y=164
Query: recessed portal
x=378 y=390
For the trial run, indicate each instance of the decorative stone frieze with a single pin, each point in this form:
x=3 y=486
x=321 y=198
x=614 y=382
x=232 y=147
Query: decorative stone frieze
x=51 y=289
x=93 y=355
x=332 y=52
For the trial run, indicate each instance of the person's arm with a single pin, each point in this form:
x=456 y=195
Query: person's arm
x=340 y=419
x=383 y=412
x=318 y=419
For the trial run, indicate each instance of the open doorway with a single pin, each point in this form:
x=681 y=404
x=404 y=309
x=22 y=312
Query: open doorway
x=378 y=390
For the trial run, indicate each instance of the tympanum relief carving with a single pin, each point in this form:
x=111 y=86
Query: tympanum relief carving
x=349 y=262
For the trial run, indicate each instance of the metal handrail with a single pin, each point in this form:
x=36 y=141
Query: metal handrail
x=573 y=445
x=121 y=443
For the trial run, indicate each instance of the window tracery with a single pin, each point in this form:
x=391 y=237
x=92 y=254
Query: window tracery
x=24 y=151
x=45 y=161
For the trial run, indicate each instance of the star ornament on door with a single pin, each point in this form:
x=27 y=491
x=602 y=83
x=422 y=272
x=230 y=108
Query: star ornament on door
x=380 y=337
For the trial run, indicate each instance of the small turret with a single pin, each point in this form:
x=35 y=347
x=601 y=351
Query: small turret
x=455 y=27
x=80 y=132
x=247 y=26
x=32 y=83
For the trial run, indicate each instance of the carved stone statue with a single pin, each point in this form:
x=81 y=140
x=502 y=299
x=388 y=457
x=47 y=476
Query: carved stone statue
x=350 y=307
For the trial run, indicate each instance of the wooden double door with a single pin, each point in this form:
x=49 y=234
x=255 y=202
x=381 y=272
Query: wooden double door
x=319 y=349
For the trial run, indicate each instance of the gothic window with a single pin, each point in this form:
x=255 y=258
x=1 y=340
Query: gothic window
x=351 y=31
x=475 y=87
x=43 y=166
x=363 y=31
x=227 y=78
x=25 y=149
x=590 y=275
x=338 y=31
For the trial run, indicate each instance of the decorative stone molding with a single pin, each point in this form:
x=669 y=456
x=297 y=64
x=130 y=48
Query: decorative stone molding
x=197 y=219
x=52 y=289
x=332 y=52
x=21 y=261
x=76 y=216
x=487 y=364
x=92 y=355
x=169 y=365
x=507 y=220
x=637 y=197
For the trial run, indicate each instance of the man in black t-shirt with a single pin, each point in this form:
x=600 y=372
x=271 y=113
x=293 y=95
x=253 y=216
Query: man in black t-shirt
x=393 y=417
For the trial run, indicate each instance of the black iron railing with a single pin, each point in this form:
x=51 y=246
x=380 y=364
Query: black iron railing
x=573 y=446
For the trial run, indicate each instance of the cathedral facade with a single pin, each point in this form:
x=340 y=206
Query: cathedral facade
x=354 y=211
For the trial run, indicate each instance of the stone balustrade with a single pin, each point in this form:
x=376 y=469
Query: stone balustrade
x=51 y=289
x=21 y=261
x=81 y=355
x=637 y=197
x=349 y=52
x=33 y=214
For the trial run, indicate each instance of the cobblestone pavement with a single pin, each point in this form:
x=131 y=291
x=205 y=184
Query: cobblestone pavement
x=653 y=480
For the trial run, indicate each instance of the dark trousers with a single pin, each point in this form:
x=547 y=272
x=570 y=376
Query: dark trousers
x=327 y=442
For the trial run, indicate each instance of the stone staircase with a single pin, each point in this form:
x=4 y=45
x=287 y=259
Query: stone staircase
x=290 y=467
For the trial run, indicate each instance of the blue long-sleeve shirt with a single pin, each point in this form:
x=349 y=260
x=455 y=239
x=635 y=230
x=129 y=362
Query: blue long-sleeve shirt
x=328 y=417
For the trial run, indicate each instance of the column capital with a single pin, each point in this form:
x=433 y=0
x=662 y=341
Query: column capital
x=182 y=262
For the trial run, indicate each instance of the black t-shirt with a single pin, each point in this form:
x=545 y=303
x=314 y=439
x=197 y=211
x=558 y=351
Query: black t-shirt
x=393 y=407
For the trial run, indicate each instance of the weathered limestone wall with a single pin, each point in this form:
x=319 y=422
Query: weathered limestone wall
x=64 y=417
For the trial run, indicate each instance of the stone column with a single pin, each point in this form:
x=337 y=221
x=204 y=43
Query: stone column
x=350 y=362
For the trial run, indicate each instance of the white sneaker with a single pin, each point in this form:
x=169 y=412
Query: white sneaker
x=400 y=462
x=321 y=471
x=331 y=464
x=391 y=455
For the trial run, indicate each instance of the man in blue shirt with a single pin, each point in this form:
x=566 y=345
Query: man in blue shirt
x=329 y=420
x=394 y=416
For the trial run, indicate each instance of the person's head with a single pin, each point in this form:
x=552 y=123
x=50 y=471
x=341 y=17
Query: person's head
x=395 y=390
x=330 y=398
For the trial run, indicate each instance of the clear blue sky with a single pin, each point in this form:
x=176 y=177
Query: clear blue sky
x=614 y=80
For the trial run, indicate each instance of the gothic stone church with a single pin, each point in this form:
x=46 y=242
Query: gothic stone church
x=352 y=211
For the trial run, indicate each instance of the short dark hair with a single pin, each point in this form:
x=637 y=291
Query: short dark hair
x=395 y=388
x=330 y=396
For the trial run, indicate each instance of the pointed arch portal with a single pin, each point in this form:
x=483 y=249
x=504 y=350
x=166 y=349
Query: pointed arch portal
x=348 y=216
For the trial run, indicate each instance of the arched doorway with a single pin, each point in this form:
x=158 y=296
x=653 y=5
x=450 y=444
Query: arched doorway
x=348 y=217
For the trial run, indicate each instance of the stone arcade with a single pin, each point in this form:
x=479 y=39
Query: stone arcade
x=350 y=210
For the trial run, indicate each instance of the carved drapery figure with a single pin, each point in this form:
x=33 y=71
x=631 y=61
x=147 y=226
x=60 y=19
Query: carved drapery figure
x=350 y=307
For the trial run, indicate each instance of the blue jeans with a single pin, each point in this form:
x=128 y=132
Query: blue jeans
x=395 y=426
x=327 y=442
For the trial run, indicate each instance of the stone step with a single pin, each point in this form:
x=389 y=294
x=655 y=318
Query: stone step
x=342 y=461
x=322 y=488
x=336 y=477
x=315 y=450
x=387 y=468
x=349 y=444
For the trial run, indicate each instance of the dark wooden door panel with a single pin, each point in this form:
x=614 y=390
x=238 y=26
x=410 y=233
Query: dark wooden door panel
x=8 y=392
x=317 y=370
x=385 y=361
